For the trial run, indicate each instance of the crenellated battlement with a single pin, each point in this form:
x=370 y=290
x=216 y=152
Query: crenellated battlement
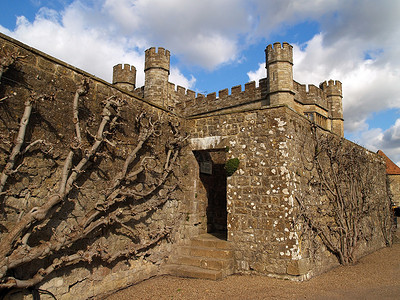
x=332 y=87
x=200 y=103
x=157 y=58
x=177 y=95
x=156 y=73
x=310 y=94
x=323 y=103
x=279 y=53
x=124 y=73
x=124 y=76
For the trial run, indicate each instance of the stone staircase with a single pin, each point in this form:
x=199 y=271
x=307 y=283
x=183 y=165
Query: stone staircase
x=205 y=257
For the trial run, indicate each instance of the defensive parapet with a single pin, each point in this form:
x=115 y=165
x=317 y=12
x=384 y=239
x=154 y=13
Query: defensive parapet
x=124 y=77
x=193 y=105
x=322 y=105
x=156 y=71
x=157 y=59
x=279 y=64
x=333 y=87
x=279 y=52
x=309 y=95
x=178 y=96
x=333 y=92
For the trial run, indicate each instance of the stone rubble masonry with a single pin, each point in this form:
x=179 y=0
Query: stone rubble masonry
x=156 y=72
x=124 y=77
x=394 y=181
x=259 y=193
x=279 y=64
x=264 y=130
x=51 y=120
x=322 y=104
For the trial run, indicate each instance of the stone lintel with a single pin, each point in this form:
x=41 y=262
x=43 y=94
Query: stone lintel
x=211 y=142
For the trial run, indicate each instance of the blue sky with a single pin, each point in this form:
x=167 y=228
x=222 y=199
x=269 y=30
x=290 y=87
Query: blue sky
x=217 y=44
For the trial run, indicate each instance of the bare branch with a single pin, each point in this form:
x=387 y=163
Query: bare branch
x=81 y=90
x=343 y=177
x=18 y=143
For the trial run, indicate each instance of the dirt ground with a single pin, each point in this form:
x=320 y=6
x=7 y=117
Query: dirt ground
x=376 y=276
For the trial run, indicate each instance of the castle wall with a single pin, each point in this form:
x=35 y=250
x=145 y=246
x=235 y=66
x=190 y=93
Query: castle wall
x=258 y=192
x=273 y=142
x=156 y=70
x=312 y=199
x=394 y=181
x=310 y=94
x=189 y=105
x=279 y=88
x=40 y=172
x=263 y=213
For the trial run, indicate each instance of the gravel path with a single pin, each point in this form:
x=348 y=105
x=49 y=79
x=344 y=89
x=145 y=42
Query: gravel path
x=376 y=276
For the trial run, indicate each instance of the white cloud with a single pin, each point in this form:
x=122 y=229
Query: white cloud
x=178 y=78
x=87 y=48
x=387 y=140
x=256 y=75
x=77 y=37
x=276 y=16
x=368 y=85
x=95 y=35
x=203 y=33
x=358 y=45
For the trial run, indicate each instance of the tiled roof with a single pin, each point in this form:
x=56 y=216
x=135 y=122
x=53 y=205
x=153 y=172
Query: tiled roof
x=391 y=167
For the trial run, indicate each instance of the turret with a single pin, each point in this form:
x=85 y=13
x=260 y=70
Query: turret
x=124 y=78
x=333 y=92
x=279 y=64
x=156 y=72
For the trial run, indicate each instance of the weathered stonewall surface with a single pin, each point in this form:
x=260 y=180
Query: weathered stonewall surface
x=273 y=130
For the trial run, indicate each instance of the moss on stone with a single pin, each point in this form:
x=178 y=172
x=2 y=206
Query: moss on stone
x=231 y=166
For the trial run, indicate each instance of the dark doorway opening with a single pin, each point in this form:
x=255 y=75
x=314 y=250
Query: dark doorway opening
x=213 y=177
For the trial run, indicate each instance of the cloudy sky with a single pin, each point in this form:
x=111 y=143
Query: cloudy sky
x=218 y=44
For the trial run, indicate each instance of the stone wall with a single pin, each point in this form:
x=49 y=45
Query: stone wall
x=259 y=204
x=394 y=181
x=189 y=105
x=263 y=211
x=40 y=171
x=265 y=221
x=335 y=180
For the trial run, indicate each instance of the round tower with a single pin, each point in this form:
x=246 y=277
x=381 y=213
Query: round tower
x=124 y=77
x=333 y=94
x=279 y=64
x=156 y=73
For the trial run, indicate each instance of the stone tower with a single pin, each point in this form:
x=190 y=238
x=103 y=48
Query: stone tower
x=279 y=64
x=333 y=92
x=156 y=72
x=124 y=78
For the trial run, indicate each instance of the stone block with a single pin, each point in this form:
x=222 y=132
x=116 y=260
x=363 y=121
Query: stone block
x=46 y=65
x=298 y=267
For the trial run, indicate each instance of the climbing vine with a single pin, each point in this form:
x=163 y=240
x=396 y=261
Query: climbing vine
x=339 y=201
x=50 y=234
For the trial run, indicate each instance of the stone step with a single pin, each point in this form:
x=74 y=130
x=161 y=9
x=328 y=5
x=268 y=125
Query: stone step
x=193 y=272
x=204 y=262
x=205 y=252
x=206 y=256
x=210 y=243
